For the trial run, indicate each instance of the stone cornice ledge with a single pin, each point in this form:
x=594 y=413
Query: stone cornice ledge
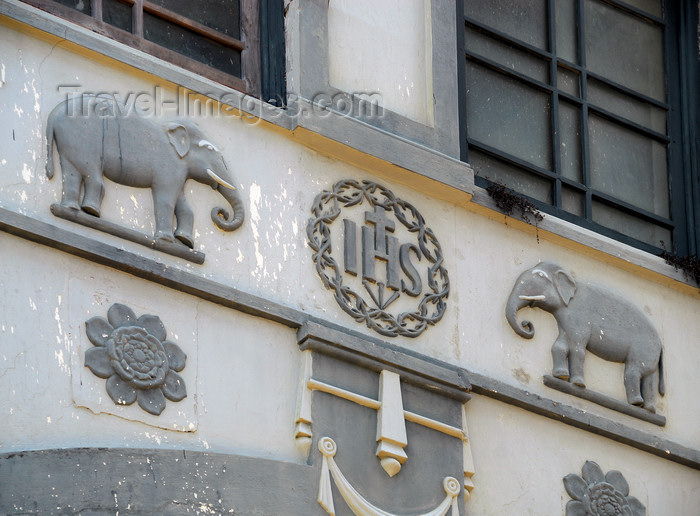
x=374 y=351
x=363 y=145
x=433 y=375
x=382 y=152
x=585 y=420
x=341 y=136
x=590 y=243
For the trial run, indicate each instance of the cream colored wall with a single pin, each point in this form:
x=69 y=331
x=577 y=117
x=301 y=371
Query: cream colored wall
x=524 y=457
x=383 y=47
x=240 y=374
x=242 y=371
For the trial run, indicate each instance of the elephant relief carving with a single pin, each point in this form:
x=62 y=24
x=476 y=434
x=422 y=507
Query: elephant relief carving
x=98 y=141
x=591 y=317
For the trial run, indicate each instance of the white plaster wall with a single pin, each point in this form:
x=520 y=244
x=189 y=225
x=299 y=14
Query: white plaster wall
x=520 y=460
x=268 y=256
x=241 y=373
x=383 y=47
x=277 y=178
x=488 y=344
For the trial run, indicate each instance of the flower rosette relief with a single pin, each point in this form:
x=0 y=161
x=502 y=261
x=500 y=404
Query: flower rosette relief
x=135 y=358
x=598 y=494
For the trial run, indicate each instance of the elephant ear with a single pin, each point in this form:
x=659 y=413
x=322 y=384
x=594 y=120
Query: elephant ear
x=565 y=285
x=179 y=138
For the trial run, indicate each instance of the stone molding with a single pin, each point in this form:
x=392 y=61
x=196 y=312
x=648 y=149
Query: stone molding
x=373 y=350
x=445 y=379
x=355 y=141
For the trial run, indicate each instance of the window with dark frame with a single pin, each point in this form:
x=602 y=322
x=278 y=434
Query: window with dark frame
x=218 y=39
x=586 y=107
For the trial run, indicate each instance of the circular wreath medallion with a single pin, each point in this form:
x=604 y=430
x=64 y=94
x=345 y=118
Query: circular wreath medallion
x=430 y=306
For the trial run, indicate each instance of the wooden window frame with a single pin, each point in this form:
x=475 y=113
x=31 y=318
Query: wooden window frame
x=248 y=45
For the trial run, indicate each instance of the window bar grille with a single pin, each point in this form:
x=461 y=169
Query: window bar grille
x=554 y=111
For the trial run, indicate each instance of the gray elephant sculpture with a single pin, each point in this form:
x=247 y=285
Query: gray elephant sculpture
x=132 y=150
x=594 y=318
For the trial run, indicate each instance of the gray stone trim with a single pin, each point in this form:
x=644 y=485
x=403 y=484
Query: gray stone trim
x=385 y=145
x=602 y=399
x=137 y=481
x=371 y=349
x=585 y=420
x=416 y=159
x=175 y=248
x=433 y=375
x=314 y=75
x=146 y=268
x=611 y=251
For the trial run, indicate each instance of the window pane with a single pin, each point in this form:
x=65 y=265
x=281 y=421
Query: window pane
x=572 y=201
x=79 y=5
x=565 y=15
x=506 y=55
x=625 y=106
x=508 y=115
x=625 y=49
x=191 y=44
x=117 y=14
x=514 y=178
x=221 y=15
x=651 y=6
x=628 y=166
x=630 y=225
x=567 y=81
x=525 y=20
x=570 y=141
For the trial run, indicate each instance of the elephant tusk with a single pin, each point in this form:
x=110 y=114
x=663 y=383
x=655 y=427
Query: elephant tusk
x=219 y=180
x=533 y=298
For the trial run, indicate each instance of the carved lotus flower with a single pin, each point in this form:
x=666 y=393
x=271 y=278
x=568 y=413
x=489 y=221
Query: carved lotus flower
x=135 y=358
x=595 y=494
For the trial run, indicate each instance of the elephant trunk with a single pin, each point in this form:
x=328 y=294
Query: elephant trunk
x=221 y=216
x=515 y=302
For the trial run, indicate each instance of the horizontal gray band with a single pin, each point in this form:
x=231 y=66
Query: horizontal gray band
x=602 y=399
x=134 y=481
x=435 y=376
x=146 y=268
x=584 y=420
x=364 y=347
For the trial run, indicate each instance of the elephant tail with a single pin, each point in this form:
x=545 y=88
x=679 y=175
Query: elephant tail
x=49 y=144
x=662 y=386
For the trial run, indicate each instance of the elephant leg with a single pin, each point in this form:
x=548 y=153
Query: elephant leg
x=72 y=181
x=648 y=392
x=164 y=209
x=185 y=221
x=94 y=192
x=577 y=356
x=633 y=379
x=560 y=358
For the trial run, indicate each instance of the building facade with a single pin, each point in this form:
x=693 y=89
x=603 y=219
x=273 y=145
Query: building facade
x=445 y=265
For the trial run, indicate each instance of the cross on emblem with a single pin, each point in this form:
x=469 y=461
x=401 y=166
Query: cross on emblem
x=377 y=244
x=381 y=241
